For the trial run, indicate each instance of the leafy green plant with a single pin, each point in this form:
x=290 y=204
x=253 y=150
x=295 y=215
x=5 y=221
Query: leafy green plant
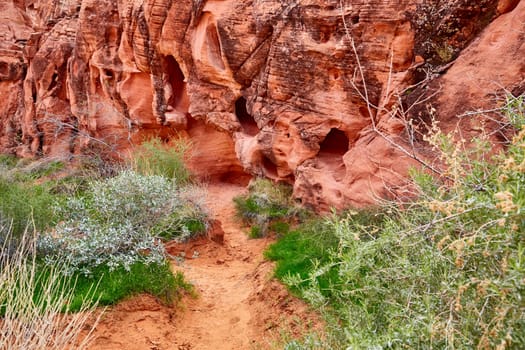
x=297 y=252
x=40 y=169
x=24 y=201
x=23 y=170
x=280 y=227
x=256 y=232
x=107 y=238
x=188 y=220
x=152 y=157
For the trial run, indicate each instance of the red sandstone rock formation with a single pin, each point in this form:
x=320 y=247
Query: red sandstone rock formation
x=303 y=91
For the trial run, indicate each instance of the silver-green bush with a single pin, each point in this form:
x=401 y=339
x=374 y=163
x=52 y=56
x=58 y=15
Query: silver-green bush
x=113 y=224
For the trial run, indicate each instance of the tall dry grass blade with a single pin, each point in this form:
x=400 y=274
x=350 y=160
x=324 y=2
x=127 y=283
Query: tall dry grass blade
x=33 y=300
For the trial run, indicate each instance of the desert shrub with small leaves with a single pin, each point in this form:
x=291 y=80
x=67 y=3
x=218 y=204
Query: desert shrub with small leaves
x=117 y=221
x=7 y=162
x=190 y=217
x=22 y=202
x=105 y=247
x=152 y=157
x=266 y=204
x=447 y=271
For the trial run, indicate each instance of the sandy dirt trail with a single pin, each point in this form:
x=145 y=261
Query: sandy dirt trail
x=239 y=305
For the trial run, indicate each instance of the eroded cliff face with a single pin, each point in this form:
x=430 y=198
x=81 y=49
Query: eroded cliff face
x=313 y=92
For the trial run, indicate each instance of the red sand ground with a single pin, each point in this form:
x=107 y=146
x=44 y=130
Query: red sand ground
x=239 y=305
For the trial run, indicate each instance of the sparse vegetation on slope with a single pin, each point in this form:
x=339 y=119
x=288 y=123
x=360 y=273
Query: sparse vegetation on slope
x=24 y=203
x=154 y=158
x=98 y=240
x=267 y=207
x=35 y=301
x=112 y=223
x=445 y=272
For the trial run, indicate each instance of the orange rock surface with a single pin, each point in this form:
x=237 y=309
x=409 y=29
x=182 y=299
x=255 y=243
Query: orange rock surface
x=309 y=92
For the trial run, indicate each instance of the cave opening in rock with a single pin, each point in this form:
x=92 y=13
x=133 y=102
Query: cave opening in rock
x=270 y=168
x=33 y=92
x=248 y=124
x=331 y=152
x=238 y=177
x=4 y=68
x=176 y=80
x=335 y=143
x=54 y=81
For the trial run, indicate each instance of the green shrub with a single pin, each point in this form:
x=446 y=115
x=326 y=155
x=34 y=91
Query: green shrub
x=265 y=204
x=107 y=235
x=39 y=169
x=188 y=220
x=115 y=223
x=297 y=253
x=154 y=158
x=25 y=205
x=446 y=271
x=23 y=170
x=280 y=227
x=7 y=162
x=256 y=232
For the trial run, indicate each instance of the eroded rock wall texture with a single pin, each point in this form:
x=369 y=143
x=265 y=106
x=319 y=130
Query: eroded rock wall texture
x=313 y=92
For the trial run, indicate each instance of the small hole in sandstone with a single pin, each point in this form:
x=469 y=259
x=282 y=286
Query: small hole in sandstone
x=364 y=111
x=53 y=81
x=334 y=73
x=4 y=68
x=355 y=19
x=248 y=124
x=108 y=73
x=176 y=80
x=335 y=143
x=324 y=34
x=270 y=168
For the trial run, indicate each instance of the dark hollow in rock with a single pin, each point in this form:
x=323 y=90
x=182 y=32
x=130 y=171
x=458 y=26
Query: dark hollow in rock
x=248 y=124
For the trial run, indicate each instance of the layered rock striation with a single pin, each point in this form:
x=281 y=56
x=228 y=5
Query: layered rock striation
x=317 y=93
